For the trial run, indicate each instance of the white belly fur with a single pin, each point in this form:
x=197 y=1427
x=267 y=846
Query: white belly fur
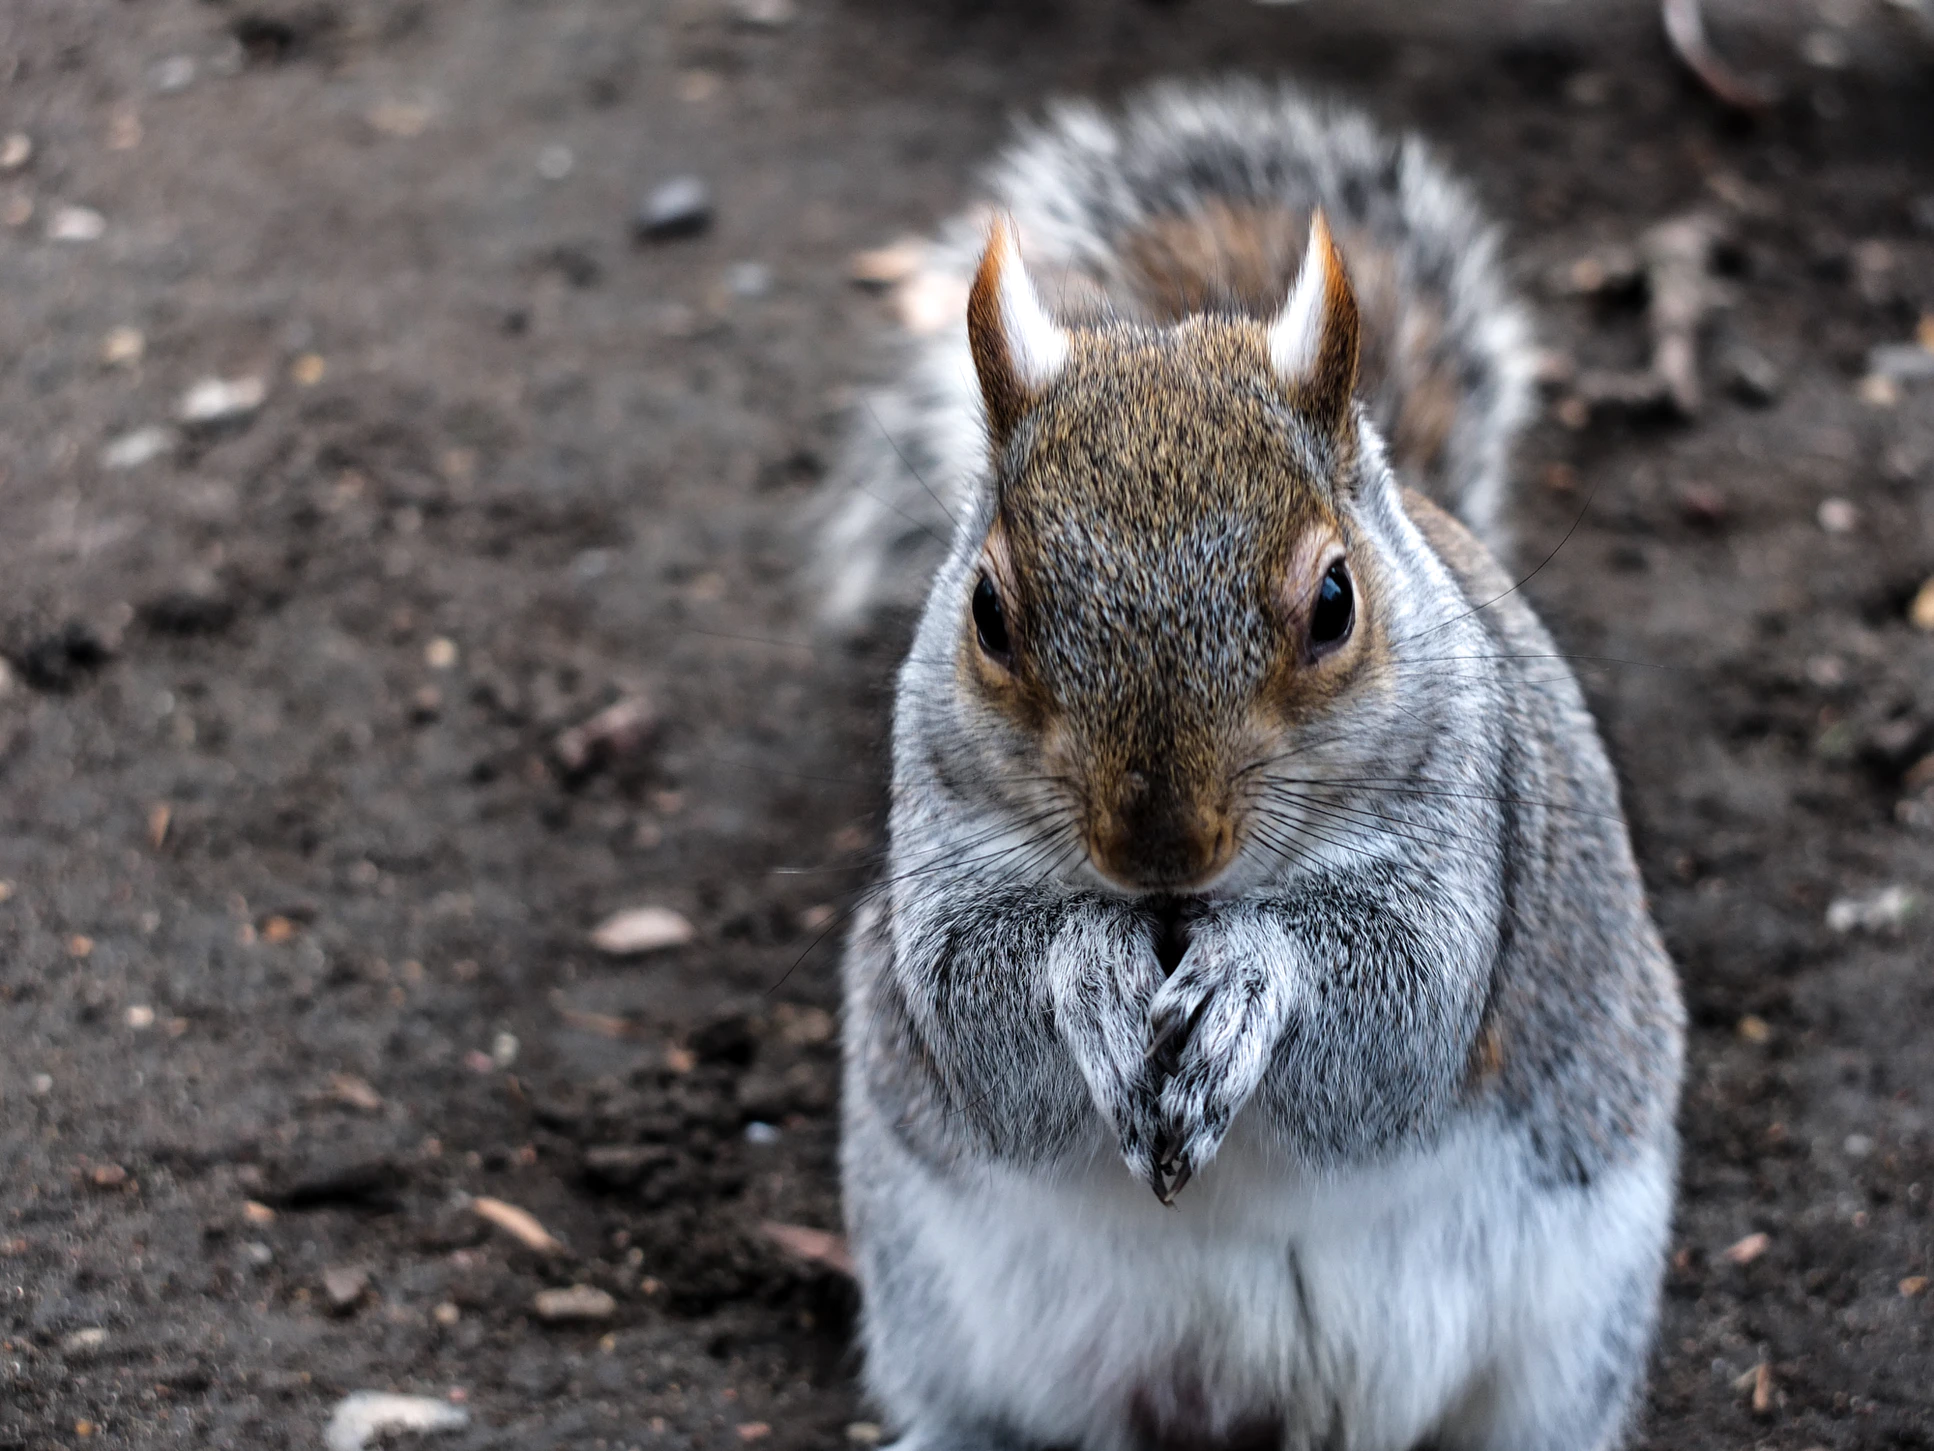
x=1431 y=1287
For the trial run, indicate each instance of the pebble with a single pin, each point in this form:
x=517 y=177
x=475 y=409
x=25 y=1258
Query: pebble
x=308 y=370
x=579 y=1302
x=440 y=653
x=85 y=1341
x=1882 y=911
x=1745 y=1251
x=122 y=347
x=362 y=1416
x=347 y=1088
x=1902 y=362
x=750 y=1431
x=344 y=1285
x=765 y=14
x=554 y=163
x=748 y=279
x=1752 y=377
x=131 y=450
x=1838 y=516
x=175 y=73
x=761 y=1134
x=620 y=730
x=1920 y=613
x=76 y=224
x=888 y=266
x=221 y=400
x=681 y=207
x=864 y=1433
x=641 y=929
x=140 y=1017
x=16 y=151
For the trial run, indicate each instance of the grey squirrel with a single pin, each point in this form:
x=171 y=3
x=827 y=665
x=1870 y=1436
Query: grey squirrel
x=1259 y=1038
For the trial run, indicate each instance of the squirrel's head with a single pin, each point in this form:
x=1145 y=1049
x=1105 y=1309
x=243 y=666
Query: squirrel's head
x=1173 y=589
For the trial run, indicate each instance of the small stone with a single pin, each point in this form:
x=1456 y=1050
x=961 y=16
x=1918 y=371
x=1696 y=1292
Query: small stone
x=1858 y=1146
x=80 y=945
x=131 y=450
x=579 y=1302
x=440 y=653
x=748 y=279
x=1913 y=1285
x=446 y=1314
x=256 y=1212
x=85 y=1342
x=1902 y=362
x=347 y=1088
x=503 y=1050
x=617 y=732
x=221 y=400
x=1745 y=1251
x=122 y=347
x=681 y=207
x=175 y=73
x=1877 y=390
x=1751 y=377
x=1920 y=612
x=1838 y=516
x=1753 y=1028
x=43 y=1084
x=554 y=163
x=140 y=1017
x=641 y=929
x=1884 y=911
x=764 y=14
x=16 y=151
x=17 y=211
x=762 y=1134
x=344 y=1285
x=258 y=1254
x=76 y=224
x=750 y=1431
x=308 y=370
x=362 y=1416
x=404 y=119
x=864 y=1433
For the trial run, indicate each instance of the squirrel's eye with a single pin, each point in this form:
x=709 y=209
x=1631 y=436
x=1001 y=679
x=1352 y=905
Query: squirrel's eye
x=990 y=620
x=1335 y=609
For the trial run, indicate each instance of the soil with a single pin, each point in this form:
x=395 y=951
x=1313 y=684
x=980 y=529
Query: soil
x=295 y=958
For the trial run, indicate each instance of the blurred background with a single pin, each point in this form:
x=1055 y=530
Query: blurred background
x=426 y=818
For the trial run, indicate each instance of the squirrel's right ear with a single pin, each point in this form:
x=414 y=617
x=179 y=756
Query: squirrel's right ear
x=1018 y=348
x=1315 y=339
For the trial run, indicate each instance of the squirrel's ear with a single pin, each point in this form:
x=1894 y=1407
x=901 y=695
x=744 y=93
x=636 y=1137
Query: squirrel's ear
x=1315 y=338
x=1018 y=348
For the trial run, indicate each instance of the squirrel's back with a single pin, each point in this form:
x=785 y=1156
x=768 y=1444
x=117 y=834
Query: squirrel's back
x=1197 y=199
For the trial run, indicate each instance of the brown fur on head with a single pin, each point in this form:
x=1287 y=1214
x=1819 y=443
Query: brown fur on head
x=1170 y=502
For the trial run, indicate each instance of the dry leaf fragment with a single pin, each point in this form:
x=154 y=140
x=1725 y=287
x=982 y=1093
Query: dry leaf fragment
x=347 y=1088
x=256 y=1212
x=520 y=1224
x=888 y=266
x=754 y=1431
x=160 y=815
x=815 y=1246
x=1920 y=614
x=1762 y=1388
x=641 y=929
x=1748 y=1249
x=579 y=1302
x=362 y=1416
x=1913 y=1285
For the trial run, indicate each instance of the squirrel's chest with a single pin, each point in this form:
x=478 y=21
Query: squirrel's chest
x=1262 y=1311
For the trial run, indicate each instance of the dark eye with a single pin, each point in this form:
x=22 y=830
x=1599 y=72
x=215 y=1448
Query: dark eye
x=990 y=620
x=1335 y=609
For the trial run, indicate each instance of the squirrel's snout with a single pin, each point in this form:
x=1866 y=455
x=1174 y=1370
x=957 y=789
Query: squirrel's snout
x=1153 y=836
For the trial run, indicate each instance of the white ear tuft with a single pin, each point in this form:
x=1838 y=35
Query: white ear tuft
x=1314 y=340
x=1296 y=337
x=1035 y=341
x=1018 y=349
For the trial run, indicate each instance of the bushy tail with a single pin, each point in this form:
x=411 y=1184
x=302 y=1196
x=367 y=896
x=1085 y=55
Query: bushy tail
x=1196 y=198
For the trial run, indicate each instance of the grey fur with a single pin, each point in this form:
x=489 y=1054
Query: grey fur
x=1074 y=184
x=1424 y=1028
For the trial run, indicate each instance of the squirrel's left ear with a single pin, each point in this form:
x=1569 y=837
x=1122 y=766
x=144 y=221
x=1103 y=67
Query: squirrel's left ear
x=1315 y=339
x=1018 y=348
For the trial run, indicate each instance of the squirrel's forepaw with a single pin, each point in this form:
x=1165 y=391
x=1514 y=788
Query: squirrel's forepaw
x=1211 y=1030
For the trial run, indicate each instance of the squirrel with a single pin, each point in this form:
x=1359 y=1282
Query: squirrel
x=1250 y=840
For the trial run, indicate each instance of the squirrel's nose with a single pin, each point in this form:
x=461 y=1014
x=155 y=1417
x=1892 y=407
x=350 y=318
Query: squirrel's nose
x=1155 y=835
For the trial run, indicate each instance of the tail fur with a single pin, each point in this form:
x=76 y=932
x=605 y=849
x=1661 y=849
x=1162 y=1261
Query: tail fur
x=1197 y=198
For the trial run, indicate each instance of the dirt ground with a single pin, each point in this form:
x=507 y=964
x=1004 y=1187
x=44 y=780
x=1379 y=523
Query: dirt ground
x=294 y=956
